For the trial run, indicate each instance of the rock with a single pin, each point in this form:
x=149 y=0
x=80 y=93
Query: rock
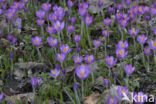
x=19 y=74
x=92 y=99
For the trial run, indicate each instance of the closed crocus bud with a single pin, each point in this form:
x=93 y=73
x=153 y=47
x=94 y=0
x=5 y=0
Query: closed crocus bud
x=11 y=55
x=112 y=100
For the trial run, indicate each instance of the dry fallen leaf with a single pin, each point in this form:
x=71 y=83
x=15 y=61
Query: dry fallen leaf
x=92 y=99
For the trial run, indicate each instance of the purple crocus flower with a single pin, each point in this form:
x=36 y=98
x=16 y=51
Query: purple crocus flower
x=89 y=59
x=122 y=44
x=118 y=16
x=125 y=17
x=112 y=100
x=14 y=5
x=40 y=22
x=106 y=81
x=70 y=3
x=121 y=53
x=14 y=40
x=82 y=71
x=111 y=9
x=9 y=15
x=40 y=14
x=153 y=11
x=73 y=19
x=10 y=37
x=51 y=30
x=110 y=61
x=65 y=49
x=18 y=23
x=121 y=91
x=70 y=28
x=131 y=15
x=78 y=49
x=140 y=98
x=0 y=32
x=52 y=42
x=135 y=10
x=146 y=9
x=60 y=57
x=142 y=39
x=129 y=69
x=34 y=81
x=107 y=21
x=1 y=97
x=1 y=11
x=82 y=11
x=147 y=50
x=55 y=73
x=52 y=17
x=58 y=25
x=78 y=59
x=100 y=3
x=25 y=1
x=96 y=43
x=4 y=6
x=119 y=7
x=152 y=44
x=128 y=2
x=154 y=30
x=105 y=33
x=77 y=38
x=123 y=23
x=36 y=41
x=46 y=6
x=133 y=32
x=140 y=10
x=147 y=18
x=88 y=20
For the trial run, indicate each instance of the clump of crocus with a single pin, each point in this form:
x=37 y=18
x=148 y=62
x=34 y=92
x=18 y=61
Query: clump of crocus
x=89 y=59
x=55 y=73
x=77 y=59
x=112 y=100
x=122 y=91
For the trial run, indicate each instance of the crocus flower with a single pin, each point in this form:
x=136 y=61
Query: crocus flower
x=123 y=23
x=1 y=11
x=55 y=73
x=36 y=41
x=122 y=44
x=105 y=33
x=73 y=19
x=52 y=42
x=78 y=59
x=60 y=57
x=119 y=7
x=40 y=22
x=78 y=49
x=140 y=98
x=70 y=28
x=1 y=97
x=34 y=81
x=128 y=2
x=14 y=40
x=52 y=17
x=154 y=30
x=152 y=44
x=153 y=11
x=18 y=23
x=121 y=53
x=141 y=10
x=142 y=39
x=25 y=1
x=96 y=43
x=106 y=81
x=125 y=17
x=82 y=11
x=65 y=49
x=51 y=30
x=146 y=9
x=89 y=59
x=40 y=14
x=10 y=37
x=133 y=32
x=59 y=26
x=118 y=16
x=70 y=3
x=88 y=20
x=147 y=18
x=107 y=21
x=112 y=100
x=129 y=69
x=77 y=38
x=82 y=71
x=100 y=3
x=147 y=50
x=110 y=61
x=9 y=15
x=0 y=32
x=121 y=91
x=135 y=10
x=111 y=9
x=131 y=15
x=46 y=6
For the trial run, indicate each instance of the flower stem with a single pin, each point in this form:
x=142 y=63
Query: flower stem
x=82 y=88
x=39 y=54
